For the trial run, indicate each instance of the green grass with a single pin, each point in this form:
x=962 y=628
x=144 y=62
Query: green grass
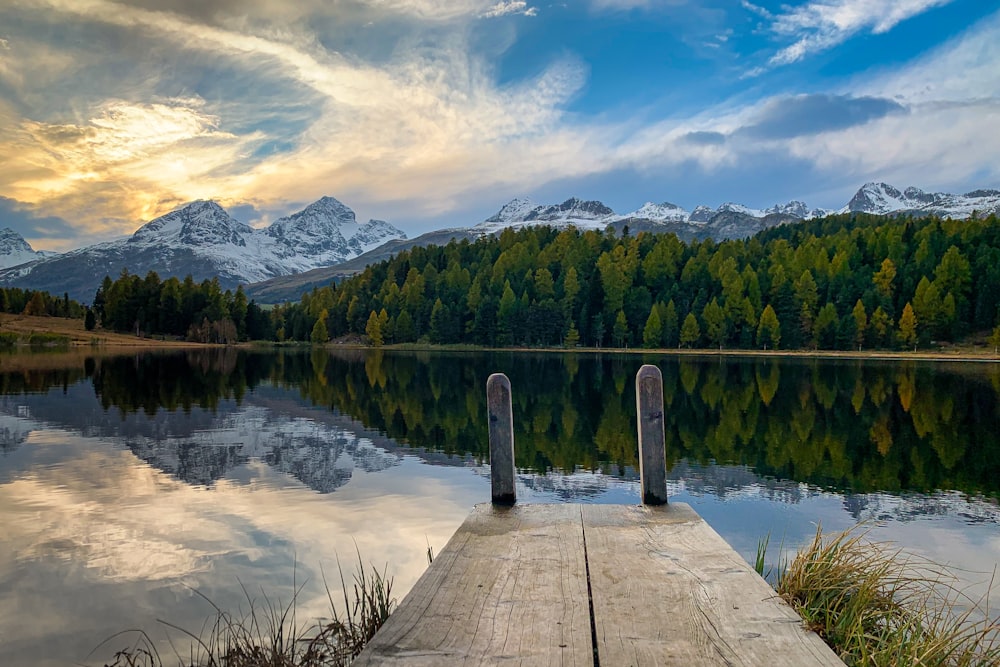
x=267 y=634
x=878 y=606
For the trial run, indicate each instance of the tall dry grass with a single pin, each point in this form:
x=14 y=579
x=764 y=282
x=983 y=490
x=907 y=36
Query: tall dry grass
x=267 y=634
x=875 y=605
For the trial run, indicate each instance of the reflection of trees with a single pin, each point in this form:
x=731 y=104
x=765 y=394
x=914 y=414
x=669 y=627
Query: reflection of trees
x=846 y=425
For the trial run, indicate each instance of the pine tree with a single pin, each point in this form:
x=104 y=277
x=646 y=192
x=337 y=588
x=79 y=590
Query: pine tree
x=715 y=323
x=319 y=333
x=652 y=333
x=572 y=336
x=373 y=329
x=861 y=323
x=769 y=329
x=671 y=325
x=690 y=331
x=908 y=327
x=620 y=331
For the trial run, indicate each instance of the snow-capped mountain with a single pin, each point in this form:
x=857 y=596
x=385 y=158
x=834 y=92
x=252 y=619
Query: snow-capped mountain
x=882 y=198
x=523 y=212
x=203 y=240
x=665 y=212
x=318 y=231
x=14 y=250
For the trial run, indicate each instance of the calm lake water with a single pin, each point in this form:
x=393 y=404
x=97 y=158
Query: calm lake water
x=128 y=483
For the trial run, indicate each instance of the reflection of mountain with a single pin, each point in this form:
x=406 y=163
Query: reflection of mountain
x=199 y=446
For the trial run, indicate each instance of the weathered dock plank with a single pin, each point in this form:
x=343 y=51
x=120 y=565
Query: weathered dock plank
x=668 y=590
x=511 y=587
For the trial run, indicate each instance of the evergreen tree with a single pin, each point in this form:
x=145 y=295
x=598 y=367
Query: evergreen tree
x=671 y=325
x=620 y=330
x=715 y=323
x=373 y=329
x=652 y=333
x=769 y=329
x=860 y=323
x=880 y=327
x=690 y=331
x=572 y=336
x=908 y=327
x=825 y=330
x=319 y=333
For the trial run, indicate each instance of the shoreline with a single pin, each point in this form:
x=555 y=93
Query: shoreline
x=104 y=342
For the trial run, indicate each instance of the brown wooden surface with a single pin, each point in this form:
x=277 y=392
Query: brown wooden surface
x=511 y=587
x=501 y=435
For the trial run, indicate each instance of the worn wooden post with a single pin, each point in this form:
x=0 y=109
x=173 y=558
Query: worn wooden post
x=652 y=448
x=498 y=402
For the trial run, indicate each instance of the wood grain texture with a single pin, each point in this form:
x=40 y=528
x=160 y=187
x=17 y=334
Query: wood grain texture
x=501 y=434
x=649 y=423
x=508 y=589
x=511 y=588
x=668 y=590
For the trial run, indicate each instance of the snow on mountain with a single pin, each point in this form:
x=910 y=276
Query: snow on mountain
x=14 y=250
x=731 y=207
x=513 y=211
x=573 y=211
x=882 y=198
x=203 y=240
x=327 y=232
x=665 y=212
x=702 y=214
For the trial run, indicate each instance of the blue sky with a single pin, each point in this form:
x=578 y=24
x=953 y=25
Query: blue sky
x=433 y=113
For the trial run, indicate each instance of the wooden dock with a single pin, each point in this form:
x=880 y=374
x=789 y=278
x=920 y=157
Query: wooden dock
x=648 y=584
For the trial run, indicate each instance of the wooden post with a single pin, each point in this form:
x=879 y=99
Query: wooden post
x=652 y=447
x=498 y=402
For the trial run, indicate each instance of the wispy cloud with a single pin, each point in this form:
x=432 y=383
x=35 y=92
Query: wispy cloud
x=431 y=119
x=822 y=24
x=505 y=7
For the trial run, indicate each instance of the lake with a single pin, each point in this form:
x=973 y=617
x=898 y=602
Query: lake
x=131 y=486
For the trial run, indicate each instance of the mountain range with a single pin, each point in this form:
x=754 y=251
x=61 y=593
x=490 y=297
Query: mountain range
x=325 y=241
x=203 y=240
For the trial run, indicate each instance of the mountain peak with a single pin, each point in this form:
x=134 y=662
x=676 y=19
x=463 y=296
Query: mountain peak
x=329 y=206
x=12 y=242
x=513 y=211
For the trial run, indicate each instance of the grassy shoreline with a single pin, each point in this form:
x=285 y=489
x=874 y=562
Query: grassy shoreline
x=100 y=339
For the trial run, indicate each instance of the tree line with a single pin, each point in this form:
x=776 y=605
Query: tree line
x=843 y=282
x=201 y=312
x=38 y=302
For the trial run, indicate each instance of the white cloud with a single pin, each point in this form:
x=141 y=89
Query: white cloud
x=505 y=7
x=822 y=24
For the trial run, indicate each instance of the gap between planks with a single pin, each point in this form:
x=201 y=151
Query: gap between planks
x=659 y=587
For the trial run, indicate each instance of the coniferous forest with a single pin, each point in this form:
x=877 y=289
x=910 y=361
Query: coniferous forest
x=842 y=282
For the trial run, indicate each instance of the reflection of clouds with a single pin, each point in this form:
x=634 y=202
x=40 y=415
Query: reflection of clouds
x=103 y=531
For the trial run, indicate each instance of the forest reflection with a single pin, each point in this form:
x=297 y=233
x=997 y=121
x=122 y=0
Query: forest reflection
x=848 y=425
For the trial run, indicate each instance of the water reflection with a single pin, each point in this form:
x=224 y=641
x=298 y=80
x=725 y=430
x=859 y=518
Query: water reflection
x=125 y=479
x=847 y=426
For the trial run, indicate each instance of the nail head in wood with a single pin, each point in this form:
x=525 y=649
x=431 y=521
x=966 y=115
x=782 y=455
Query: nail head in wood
x=652 y=443
x=498 y=401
